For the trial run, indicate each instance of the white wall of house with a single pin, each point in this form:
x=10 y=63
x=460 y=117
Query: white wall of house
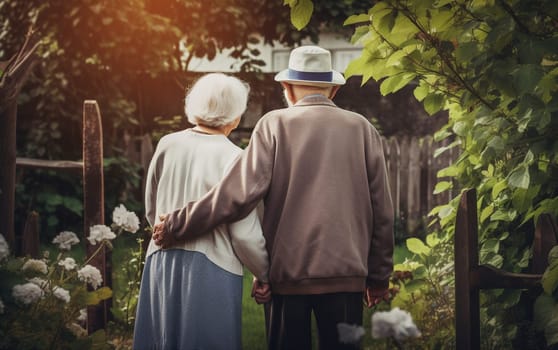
x=277 y=57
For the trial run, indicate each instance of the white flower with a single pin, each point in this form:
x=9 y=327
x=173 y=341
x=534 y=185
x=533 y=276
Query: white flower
x=61 y=294
x=65 y=240
x=1 y=307
x=350 y=334
x=82 y=315
x=128 y=220
x=35 y=265
x=394 y=323
x=100 y=232
x=4 y=248
x=91 y=275
x=27 y=293
x=38 y=282
x=68 y=263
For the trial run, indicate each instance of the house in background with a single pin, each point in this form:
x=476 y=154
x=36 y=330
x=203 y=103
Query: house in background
x=395 y=114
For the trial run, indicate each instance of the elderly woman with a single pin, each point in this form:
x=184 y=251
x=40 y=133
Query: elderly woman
x=191 y=293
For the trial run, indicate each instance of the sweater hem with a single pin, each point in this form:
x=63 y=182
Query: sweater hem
x=320 y=286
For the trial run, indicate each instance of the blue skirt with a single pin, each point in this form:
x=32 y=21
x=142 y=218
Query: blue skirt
x=187 y=302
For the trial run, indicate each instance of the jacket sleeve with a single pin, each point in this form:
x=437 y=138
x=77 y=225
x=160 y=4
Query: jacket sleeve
x=249 y=245
x=234 y=197
x=380 y=256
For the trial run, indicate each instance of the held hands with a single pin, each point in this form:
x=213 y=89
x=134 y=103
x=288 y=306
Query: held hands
x=160 y=236
x=261 y=292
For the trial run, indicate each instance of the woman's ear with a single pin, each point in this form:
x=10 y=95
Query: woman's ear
x=235 y=123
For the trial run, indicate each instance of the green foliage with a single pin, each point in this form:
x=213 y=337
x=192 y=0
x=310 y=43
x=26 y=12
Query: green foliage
x=128 y=277
x=546 y=305
x=493 y=65
x=43 y=301
x=428 y=295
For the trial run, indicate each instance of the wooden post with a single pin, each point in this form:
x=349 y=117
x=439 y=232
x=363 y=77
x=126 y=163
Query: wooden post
x=545 y=238
x=8 y=116
x=413 y=187
x=93 y=193
x=30 y=237
x=467 y=312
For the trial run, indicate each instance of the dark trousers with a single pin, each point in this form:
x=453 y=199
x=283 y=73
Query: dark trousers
x=289 y=322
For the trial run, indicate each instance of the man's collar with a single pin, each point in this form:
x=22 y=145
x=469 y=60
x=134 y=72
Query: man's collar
x=316 y=99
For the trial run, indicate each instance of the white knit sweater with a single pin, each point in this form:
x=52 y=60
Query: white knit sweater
x=185 y=166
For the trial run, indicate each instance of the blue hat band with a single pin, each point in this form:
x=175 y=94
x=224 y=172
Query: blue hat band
x=310 y=76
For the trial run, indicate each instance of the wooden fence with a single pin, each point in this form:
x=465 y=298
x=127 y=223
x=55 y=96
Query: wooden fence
x=411 y=164
x=412 y=170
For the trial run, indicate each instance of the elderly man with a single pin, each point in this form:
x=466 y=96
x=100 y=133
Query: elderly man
x=328 y=218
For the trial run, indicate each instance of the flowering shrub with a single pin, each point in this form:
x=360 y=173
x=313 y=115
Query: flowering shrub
x=394 y=324
x=43 y=301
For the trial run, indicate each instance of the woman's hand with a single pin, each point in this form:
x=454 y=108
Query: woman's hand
x=160 y=236
x=261 y=291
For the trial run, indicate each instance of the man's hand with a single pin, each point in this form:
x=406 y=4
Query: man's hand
x=160 y=236
x=261 y=291
x=373 y=296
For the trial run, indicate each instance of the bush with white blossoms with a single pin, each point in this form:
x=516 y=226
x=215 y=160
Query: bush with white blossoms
x=395 y=324
x=43 y=300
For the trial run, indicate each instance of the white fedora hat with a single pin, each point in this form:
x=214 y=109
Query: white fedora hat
x=310 y=65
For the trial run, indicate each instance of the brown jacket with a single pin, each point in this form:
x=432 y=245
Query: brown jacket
x=328 y=217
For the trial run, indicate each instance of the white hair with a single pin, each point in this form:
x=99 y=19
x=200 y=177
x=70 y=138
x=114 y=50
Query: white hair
x=216 y=100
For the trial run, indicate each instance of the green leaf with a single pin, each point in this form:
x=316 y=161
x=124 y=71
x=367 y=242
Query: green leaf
x=466 y=51
x=527 y=77
x=432 y=240
x=433 y=103
x=490 y=246
x=396 y=83
x=416 y=246
x=442 y=186
x=551 y=330
x=520 y=177
x=496 y=260
x=421 y=92
x=503 y=215
x=301 y=12
x=96 y=296
x=544 y=310
x=498 y=187
x=364 y=17
x=550 y=279
x=415 y=285
x=486 y=212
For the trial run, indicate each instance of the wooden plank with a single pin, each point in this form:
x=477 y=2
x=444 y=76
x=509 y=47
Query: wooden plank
x=467 y=312
x=489 y=277
x=30 y=237
x=404 y=175
x=413 y=187
x=546 y=233
x=49 y=164
x=93 y=193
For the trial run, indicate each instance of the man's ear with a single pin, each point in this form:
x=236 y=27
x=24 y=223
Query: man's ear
x=290 y=91
x=333 y=92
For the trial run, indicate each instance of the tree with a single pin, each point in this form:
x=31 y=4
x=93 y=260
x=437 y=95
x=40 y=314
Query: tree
x=110 y=51
x=493 y=65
